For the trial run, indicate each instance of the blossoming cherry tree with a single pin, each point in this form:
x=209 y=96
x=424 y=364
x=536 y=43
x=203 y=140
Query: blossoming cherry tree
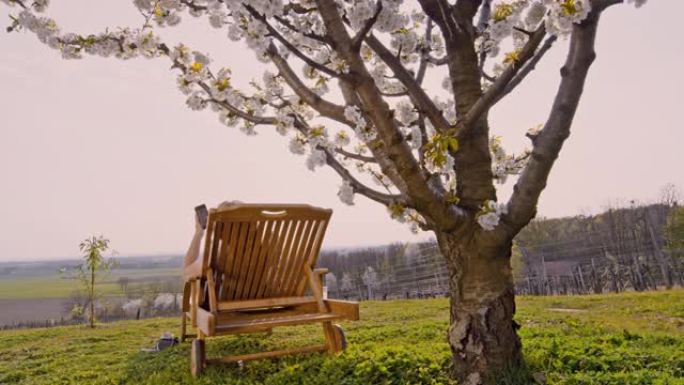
x=346 y=90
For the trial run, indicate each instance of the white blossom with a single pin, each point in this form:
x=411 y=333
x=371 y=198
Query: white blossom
x=346 y=193
x=503 y=164
x=359 y=12
x=248 y=128
x=416 y=137
x=353 y=114
x=490 y=214
x=406 y=114
x=534 y=131
x=285 y=122
x=535 y=14
x=341 y=138
x=297 y=146
x=315 y=159
x=196 y=101
x=488 y=221
x=318 y=137
x=564 y=13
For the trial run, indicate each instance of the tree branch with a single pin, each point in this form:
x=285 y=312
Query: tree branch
x=352 y=155
x=426 y=199
x=360 y=188
x=292 y=28
x=440 y=12
x=485 y=13
x=527 y=69
x=322 y=106
x=488 y=98
x=379 y=152
x=422 y=67
x=472 y=161
x=289 y=45
x=418 y=96
x=363 y=32
x=522 y=206
x=395 y=94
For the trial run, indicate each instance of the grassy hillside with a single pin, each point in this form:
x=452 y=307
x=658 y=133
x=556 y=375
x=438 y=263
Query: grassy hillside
x=606 y=339
x=33 y=286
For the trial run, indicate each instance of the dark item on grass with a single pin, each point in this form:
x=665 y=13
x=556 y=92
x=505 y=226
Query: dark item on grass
x=167 y=340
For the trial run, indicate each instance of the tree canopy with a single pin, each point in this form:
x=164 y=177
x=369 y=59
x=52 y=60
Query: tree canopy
x=347 y=91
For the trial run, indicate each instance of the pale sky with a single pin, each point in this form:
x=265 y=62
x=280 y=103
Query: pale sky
x=102 y=146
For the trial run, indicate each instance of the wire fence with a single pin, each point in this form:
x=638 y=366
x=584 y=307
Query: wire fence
x=428 y=276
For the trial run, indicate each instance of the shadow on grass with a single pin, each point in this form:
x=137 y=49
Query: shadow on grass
x=172 y=365
x=362 y=364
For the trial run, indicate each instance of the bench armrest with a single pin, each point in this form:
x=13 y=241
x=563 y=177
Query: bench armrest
x=320 y=274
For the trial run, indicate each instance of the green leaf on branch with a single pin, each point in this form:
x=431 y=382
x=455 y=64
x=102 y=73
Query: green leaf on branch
x=439 y=146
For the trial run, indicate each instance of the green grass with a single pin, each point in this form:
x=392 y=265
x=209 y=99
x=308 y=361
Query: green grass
x=52 y=286
x=47 y=287
x=616 y=339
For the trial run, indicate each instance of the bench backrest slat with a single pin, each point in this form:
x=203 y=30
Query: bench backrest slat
x=261 y=251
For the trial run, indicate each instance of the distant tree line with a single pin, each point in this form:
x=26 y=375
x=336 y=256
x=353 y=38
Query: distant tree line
x=398 y=270
x=630 y=248
x=636 y=247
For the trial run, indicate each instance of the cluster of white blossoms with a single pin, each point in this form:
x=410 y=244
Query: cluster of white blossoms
x=433 y=165
x=37 y=5
x=341 y=139
x=346 y=193
x=390 y=19
x=490 y=214
x=364 y=132
x=124 y=44
x=298 y=144
x=316 y=158
x=563 y=14
x=385 y=83
x=406 y=215
x=406 y=113
x=416 y=137
x=503 y=164
x=508 y=18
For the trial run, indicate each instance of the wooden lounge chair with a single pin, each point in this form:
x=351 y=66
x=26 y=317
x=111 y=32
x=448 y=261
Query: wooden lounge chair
x=258 y=273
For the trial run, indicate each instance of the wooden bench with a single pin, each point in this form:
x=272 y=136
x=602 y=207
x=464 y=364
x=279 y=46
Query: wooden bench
x=257 y=274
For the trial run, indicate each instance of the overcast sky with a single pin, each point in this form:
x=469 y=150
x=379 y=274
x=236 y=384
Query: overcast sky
x=101 y=146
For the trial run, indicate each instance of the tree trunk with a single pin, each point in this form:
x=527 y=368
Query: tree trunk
x=92 y=298
x=482 y=333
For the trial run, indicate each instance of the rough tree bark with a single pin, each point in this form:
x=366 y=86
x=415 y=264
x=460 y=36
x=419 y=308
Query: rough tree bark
x=482 y=333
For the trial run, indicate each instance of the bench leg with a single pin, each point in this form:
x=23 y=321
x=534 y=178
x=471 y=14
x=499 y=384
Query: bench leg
x=197 y=357
x=340 y=337
x=183 y=327
x=332 y=342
